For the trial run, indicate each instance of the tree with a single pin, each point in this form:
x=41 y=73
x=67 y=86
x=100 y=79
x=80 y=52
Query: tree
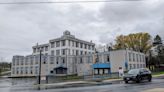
x=137 y=42
x=157 y=40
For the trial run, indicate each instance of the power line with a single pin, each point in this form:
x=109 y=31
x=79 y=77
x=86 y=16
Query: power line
x=53 y=2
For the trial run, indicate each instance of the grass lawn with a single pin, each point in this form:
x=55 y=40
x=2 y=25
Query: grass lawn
x=158 y=73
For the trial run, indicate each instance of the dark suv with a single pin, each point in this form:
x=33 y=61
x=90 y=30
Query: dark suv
x=138 y=75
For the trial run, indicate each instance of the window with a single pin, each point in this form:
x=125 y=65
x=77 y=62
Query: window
x=26 y=61
x=52 y=44
x=130 y=66
x=58 y=44
x=143 y=58
x=21 y=70
x=46 y=48
x=57 y=52
x=81 y=60
x=137 y=57
x=42 y=48
x=63 y=51
x=34 y=50
x=63 y=60
x=36 y=69
x=73 y=53
x=36 y=59
x=77 y=52
x=57 y=60
x=134 y=66
x=52 y=52
x=31 y=59
x=13 y=70
x=93 y=47
x=17 y=62
x=31 y=70
x=63 y=42
x=17 y=70
x=51 y=60
x=38 y=49
x=77 y=44
x=130 y=56
x=26 y=70
x=72 y=43
x=138 y=66
x=108 y=58
x=85 y=46
x=81 y=45
x=69 y=43
x=89 y=47
x=81 y=52
x=140 y=59
x=133 y=57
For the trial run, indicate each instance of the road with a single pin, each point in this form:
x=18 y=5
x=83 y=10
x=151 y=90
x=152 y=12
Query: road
x=157 y=85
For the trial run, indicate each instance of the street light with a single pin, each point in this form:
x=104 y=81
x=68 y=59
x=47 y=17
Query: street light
x=40 y=53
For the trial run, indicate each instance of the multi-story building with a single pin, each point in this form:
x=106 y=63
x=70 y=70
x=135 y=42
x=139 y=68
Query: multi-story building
x=58 y=57
x=68 y=55
x=110 y=62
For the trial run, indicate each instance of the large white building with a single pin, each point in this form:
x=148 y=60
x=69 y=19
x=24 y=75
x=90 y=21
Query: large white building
x=110 y=62
x=58 y=57
x=68 y=55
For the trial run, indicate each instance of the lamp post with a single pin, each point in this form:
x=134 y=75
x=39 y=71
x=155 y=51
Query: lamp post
x=40 y=54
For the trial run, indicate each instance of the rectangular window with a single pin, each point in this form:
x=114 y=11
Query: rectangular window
x=81 y=45
x=140 y=59
x=89 y=47
x=133 y=57
x=52 y=60
x=72 y=43
x=77 y=44
x=93 y=47
x=34 y=50
x=63 y=42
x=36 y=70
x=77 y=52
x=46 y=48
x=130 y=56
x=42 y=48
x=81 y=60
x=134 y=66
x=81 y=52
x=137 y=57
x=52 y=52
x=108 y=58
x=36 y=59
x=130 y=66
x=85 y=46
x=63 y=52
x=52 y=44
x=57 y=52
x=17 y=70
x=58 y=44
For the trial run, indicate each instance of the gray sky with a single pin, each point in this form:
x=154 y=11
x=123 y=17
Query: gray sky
x=22 y=26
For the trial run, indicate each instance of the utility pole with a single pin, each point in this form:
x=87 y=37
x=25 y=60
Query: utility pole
x=40 y=54
x=40 y=67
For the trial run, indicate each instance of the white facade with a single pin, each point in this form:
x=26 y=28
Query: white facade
x=58 y=57
x=68 y=55
x=112 y=60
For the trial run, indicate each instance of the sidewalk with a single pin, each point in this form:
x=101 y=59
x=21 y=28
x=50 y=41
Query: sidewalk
x=86 y=83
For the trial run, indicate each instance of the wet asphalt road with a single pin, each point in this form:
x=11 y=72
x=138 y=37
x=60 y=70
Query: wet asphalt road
x=157 y=85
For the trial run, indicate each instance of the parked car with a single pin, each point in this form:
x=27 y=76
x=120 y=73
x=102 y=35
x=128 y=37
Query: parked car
x=138 y=75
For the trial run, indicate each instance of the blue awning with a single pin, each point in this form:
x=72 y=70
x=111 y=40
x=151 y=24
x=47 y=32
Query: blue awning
x=101 y=65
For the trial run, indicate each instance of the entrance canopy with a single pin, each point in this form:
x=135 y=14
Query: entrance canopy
x=101 y=65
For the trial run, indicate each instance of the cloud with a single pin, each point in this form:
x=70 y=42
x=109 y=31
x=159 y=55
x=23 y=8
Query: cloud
x=22 y=26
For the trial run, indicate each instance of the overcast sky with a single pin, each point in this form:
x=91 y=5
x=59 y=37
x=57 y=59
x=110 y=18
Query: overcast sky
x=22 y=26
